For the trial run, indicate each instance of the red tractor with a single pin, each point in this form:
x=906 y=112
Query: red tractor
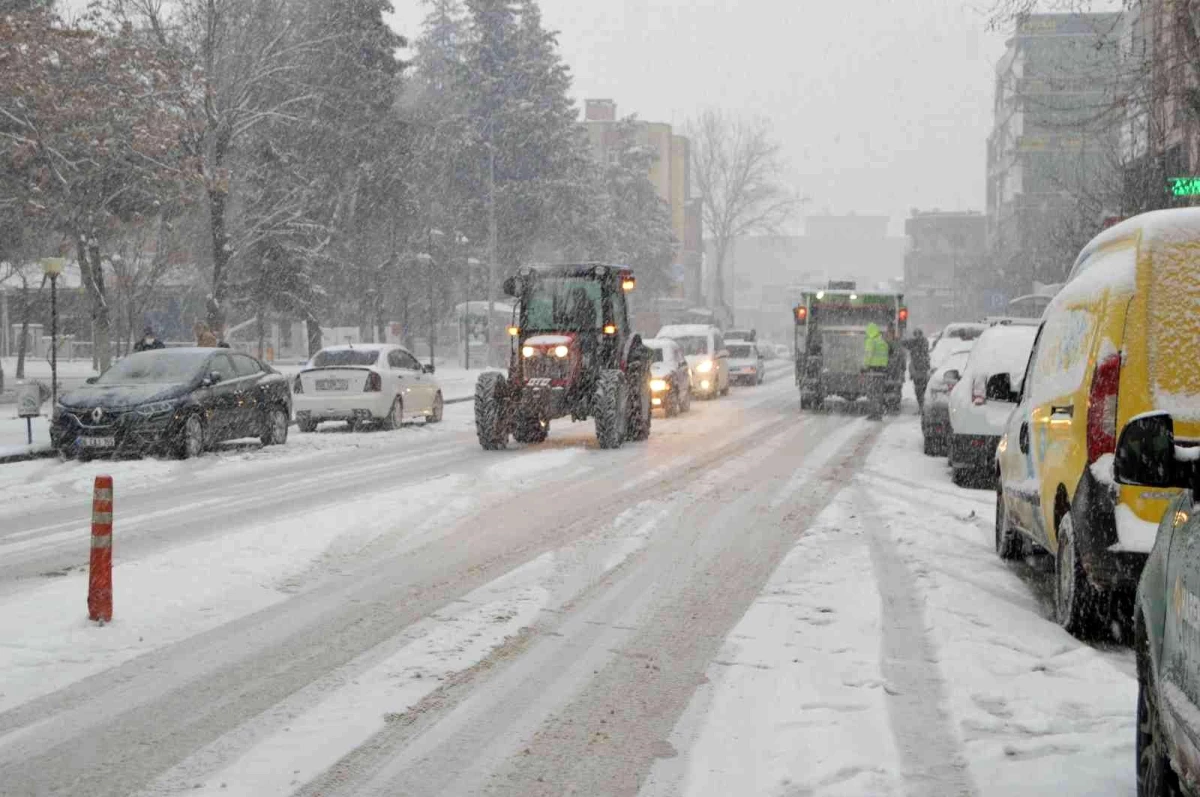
x=573 y=353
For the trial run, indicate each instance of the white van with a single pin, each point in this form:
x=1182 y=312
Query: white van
x=704 y=347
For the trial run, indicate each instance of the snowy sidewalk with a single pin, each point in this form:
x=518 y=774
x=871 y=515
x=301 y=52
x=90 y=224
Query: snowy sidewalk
x=893 y=653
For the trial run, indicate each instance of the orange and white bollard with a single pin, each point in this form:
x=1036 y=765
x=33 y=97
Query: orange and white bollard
x=100 y=572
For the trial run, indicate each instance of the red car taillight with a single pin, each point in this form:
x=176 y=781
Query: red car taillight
x=979 y=390
x=374 y=383
x=1102 y=408
x=297 y=385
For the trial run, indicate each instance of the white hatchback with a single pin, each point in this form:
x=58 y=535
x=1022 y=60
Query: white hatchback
x=985 y=396
x=369 y=383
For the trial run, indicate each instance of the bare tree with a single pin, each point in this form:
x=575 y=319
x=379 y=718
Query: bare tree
x=736 y=165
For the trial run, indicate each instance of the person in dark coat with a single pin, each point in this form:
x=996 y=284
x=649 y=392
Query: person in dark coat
x=148 y=341
x=918 y=365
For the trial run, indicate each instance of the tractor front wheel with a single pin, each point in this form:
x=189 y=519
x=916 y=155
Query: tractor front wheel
x=491 y=411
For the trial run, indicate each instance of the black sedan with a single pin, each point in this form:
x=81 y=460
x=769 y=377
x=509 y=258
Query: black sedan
x=175 y=401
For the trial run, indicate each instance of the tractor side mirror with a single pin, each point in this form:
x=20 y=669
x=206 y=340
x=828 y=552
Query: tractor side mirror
x=1146 y=454
x=512 y=287
x=429 y=369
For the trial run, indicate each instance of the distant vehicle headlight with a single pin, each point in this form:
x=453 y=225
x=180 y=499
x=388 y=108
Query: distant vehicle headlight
x=156 y=408
x=561 y=351
x=658 y=385
x=705 y=367
x=528 y=351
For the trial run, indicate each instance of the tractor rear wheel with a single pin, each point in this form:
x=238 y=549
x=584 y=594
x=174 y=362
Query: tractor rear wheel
x=491 y=411
x=608 y=408
x=639 y=409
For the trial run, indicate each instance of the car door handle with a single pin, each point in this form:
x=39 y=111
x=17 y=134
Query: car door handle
x=1023 y=438
x=1067 y=409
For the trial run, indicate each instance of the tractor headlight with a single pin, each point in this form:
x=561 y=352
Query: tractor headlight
x=658 y=385
x=528 y=351
x=561 y=351
x=705 y=367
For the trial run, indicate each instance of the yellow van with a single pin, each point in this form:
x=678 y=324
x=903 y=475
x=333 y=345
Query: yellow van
x=1121 y=338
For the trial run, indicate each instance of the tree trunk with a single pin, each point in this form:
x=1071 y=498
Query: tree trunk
x=260 y=325
x=92 y=276
x=218 y=198
x=23 y=339
x=313 y=328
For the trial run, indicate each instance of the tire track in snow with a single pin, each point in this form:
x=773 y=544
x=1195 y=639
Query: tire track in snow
x=157 y=709
x=930 y=749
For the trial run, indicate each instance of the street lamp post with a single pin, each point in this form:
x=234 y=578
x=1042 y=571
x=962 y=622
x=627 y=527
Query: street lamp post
x=52 y=267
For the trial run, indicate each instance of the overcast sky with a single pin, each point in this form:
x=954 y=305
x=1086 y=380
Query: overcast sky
x=880 y=105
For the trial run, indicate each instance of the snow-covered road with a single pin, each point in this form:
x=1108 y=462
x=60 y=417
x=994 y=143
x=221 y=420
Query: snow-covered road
x=756 y=601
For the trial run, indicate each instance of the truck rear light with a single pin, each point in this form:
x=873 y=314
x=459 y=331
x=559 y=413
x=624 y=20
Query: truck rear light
x=374 y=383
x=979 y=390
x=903 y=313
x=297 y=385
x=1102 y=408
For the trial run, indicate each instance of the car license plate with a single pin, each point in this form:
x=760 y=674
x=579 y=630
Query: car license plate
x=333 y=384
x=97 y=442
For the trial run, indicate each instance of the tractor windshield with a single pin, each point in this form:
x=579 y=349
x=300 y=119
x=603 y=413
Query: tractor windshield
x=557 y=304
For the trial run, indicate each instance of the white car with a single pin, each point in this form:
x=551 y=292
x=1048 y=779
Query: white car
x=745 y=362
x=362 y=384
x=985 y=396
x=704 y=347
x=954 y=338
x=670 y=377
x=935 y=408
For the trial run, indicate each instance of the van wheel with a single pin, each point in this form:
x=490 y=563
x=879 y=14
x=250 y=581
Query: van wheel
x=1008 y=544
x=1075 y=600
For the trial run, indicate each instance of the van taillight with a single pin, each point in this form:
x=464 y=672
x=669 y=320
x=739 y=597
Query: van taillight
x=1102 y=408
x=297 y=385
x=374 y=383
x=979 y=390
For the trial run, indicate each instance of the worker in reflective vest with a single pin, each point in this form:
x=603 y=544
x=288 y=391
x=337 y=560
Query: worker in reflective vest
x=875 y=362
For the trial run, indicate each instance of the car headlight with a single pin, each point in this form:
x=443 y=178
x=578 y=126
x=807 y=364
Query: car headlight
x=561 y=351
x=156 y=408
x=705 y=367
x=528 y=351
x=658 y=385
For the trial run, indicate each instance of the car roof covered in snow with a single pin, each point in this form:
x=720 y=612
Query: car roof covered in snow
x=1002 y=349
x=660 y=343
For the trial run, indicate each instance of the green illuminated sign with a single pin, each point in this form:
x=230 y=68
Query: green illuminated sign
x=1184 y=186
